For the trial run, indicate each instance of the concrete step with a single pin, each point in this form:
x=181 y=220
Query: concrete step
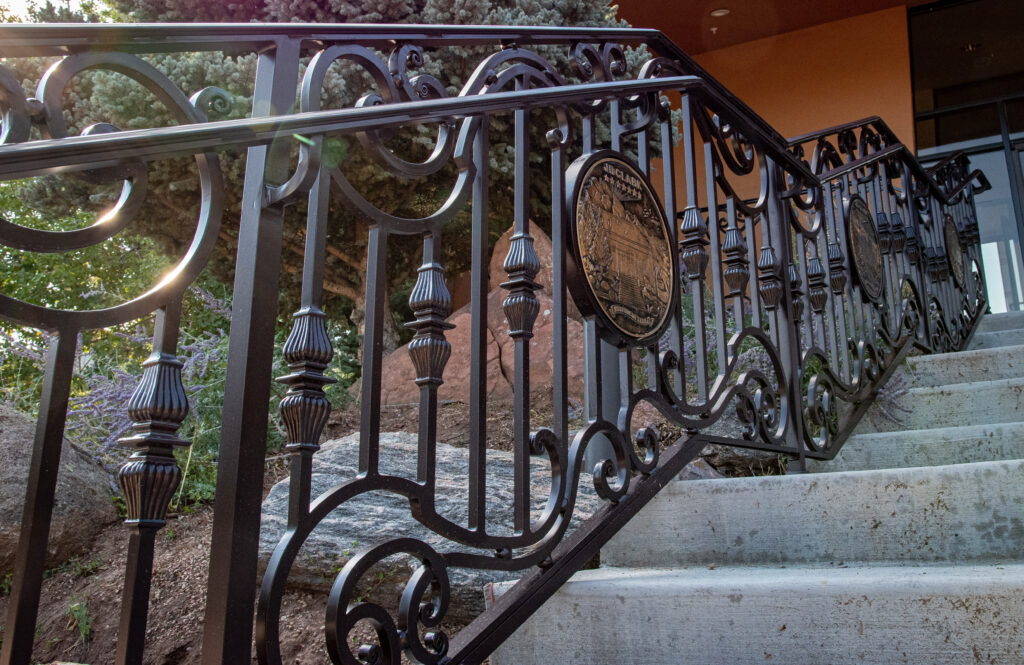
x=963 y=367
x=1004 y=321
x=927 y=447
x=994 y=340
x=927 y=615
x=957 y=513
x=952 y=405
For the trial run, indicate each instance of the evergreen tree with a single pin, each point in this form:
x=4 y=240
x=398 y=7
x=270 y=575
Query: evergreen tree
x=102 y=96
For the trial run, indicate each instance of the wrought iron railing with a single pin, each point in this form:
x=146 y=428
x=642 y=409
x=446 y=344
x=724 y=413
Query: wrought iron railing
x=826 y=260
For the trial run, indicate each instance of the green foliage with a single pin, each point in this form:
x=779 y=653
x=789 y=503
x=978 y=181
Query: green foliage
x=79 y=618
x=109 y=362
x=76 y=568
x=97 y=96
x=98 y=276
x=5 y=585
x=86 y=11
x=90 y=278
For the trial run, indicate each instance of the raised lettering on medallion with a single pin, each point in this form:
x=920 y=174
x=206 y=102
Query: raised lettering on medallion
x=865 y=250
x=624 y=248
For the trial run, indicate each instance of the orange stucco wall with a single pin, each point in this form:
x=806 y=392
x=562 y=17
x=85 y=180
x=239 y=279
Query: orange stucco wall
x=825 y=75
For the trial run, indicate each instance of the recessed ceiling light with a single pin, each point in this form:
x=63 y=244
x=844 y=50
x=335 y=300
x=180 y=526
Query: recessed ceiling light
x=719 y=13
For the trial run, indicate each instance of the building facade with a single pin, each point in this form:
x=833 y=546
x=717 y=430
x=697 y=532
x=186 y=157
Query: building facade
x=945 y=76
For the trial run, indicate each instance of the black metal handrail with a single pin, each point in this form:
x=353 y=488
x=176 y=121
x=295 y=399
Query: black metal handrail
x=829 y=258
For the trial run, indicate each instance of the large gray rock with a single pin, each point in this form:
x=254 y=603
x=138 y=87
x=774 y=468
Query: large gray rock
x=370 y=519
x=82 y=506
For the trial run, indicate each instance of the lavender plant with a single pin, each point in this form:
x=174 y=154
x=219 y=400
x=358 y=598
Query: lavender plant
x=107 y=370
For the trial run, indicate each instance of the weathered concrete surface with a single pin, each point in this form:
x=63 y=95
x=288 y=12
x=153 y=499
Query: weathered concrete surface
x=1004 y=321
x=958 y=513
x=927 y=615
x=964 y=367
x=953 y=405
x=879 y=566
x=991 y=340
x=83 y=504
x=927 y=447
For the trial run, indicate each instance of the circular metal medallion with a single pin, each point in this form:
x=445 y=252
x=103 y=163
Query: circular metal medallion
x=624 y=268
x=865 y=250
x=955 y=252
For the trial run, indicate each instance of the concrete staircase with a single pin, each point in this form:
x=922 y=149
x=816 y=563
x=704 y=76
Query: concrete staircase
x=907 y=548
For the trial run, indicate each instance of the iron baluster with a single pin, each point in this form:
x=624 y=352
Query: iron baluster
x=308 y=352
x=693 y=234
x=521 y=309
x=430 y=303
x=227 y=628
x=479 y=332
x=674 y=341
x=30 y=560
x=559 y=333
x=151 y=475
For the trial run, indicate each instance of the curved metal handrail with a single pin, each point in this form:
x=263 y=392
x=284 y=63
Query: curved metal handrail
x=800 y=301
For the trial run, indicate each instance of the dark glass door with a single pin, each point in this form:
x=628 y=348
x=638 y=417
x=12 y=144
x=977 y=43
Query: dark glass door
x=969 y=96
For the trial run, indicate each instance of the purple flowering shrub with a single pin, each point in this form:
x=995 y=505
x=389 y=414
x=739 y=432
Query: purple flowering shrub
x=108 y=366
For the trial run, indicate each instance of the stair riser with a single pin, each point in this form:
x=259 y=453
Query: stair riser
x=946 y=368
x=992 y=340
x=958 y=513
x=980 y=403
x=930 y=447
x=1005 y=321
x=810 y=619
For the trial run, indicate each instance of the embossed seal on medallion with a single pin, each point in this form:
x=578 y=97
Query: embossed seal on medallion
x=865 y=250
x=954 y=252
x=625 y=268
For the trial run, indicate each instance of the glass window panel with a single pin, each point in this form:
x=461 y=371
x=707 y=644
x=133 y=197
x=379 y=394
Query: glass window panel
x=1015 y=119
x=959 y=126
x=998 y=227
x=966 y=51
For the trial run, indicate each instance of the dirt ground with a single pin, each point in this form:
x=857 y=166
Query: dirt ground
x=81 y=600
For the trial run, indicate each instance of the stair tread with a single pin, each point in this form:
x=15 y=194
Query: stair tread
x=996 y=339
x=1002 y=321
x=812 y=574
x=968 y=385
x=953 y=513
x=874 y=615
x=910 y=563
x=952 y=430
x=949 y=405
x=940 y=446
x=978 y=353
x=963 y=367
